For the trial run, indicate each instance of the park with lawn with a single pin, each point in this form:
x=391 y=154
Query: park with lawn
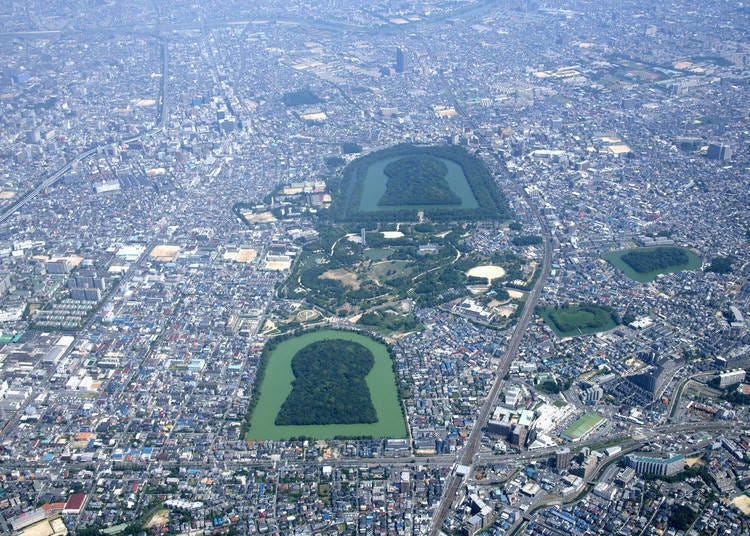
x=339 y=275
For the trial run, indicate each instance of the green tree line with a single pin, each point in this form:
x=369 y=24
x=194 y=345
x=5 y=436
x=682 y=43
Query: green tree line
x=659 y=258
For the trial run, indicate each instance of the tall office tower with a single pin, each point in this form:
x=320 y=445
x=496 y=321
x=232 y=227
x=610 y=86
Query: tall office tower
x=562 y=459
x=399 y=60
x=518 y=436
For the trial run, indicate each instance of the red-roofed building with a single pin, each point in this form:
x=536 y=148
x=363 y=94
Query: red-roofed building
x=75 y=503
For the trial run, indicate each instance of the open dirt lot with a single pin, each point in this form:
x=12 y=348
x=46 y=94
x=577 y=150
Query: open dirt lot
x=488 y=271
x=340 y=274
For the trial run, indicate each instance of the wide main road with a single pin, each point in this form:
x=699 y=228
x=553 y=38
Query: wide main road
x=471 y=446
x=55 y=176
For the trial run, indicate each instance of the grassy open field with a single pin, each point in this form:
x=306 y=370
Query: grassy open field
x=344 y=276
x=377 y=254
x=387 y=269
x=583 y=426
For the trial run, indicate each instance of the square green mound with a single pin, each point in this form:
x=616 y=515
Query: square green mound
x=583 y=319
x=276 y=384
x=360 y=194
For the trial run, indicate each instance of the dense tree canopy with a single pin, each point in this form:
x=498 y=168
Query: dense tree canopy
x=682 y=517
x=329 y=385
x=351 y=148
x=300 y=97
x=388 y=320
x=721 y=265
x=650 y=260
x=334 y=161
x=501 y=293
x=527 y=240
x=417 y=180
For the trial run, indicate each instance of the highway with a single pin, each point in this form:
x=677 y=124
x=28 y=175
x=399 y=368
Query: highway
x=50 y=180
x=46 y=183
x=625 y=440
x=473 y=442
x=471 y=446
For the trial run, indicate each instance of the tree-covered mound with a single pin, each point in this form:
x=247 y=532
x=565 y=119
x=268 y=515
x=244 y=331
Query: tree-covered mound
x=580 y=319
x=300 y=97
x=659 y=258
x=417 y=180
x=348 y=189
x=645 y=264
x=329 y=385
x=721 y=265
x=388 y=321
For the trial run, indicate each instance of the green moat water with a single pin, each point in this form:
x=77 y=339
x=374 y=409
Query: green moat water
x=277 y=384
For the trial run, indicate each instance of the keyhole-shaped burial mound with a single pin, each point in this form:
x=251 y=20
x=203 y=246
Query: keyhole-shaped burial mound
x=416 y=180
x=329 y=385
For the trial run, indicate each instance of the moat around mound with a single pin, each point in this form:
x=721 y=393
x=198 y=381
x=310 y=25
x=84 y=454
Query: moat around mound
x=445 y=183
x=276 y=387
x=645 y=264
x=399 y=183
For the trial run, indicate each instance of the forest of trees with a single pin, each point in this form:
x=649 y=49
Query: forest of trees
x=334 y=162
x=329 y=385
x=683 y=517
x=388 y=321
x=736 y=397
x=527 y=240
x=501 y=293
x=349 y=147
x=300 y=97
x=731 y=393
x=650 y=260
x=417 y=180
x=721 y=265
x=552 y=386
